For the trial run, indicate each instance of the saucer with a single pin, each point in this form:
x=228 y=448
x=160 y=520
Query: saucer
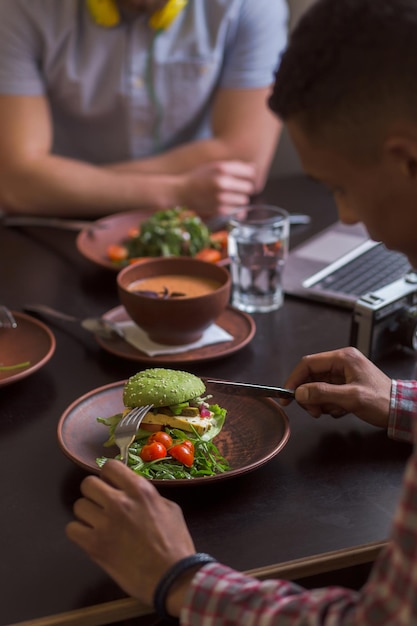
x=31 y=341
x=239 y=324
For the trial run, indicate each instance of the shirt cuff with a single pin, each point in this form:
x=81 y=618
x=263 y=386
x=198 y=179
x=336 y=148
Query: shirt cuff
x=403 y=410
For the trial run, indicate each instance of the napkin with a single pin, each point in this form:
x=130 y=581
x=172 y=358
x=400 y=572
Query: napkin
x=140 y=340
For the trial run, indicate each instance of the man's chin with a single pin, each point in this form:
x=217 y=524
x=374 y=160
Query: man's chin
x=142 y=6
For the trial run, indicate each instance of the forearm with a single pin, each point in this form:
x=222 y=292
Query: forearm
x=189 y=156
x=238 y=599
x=57 y=186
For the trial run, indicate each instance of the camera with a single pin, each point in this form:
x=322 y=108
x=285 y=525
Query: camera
x=386 y=319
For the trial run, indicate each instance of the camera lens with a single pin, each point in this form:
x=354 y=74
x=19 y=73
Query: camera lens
x=407 y=331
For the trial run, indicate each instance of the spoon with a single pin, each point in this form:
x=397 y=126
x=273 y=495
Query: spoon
x=97 y=325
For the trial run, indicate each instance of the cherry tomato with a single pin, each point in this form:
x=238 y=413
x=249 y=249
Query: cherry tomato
x=133 y=232
x=153 y=451
x=117 y=252
x=189 y=444
x=161 y=437
x=209 y=254
x=220 y=238
x=182 y=453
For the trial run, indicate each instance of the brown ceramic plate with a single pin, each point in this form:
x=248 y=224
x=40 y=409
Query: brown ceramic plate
x=31 y=341
x=92 y=242
x=239 y=324
x=255 y=431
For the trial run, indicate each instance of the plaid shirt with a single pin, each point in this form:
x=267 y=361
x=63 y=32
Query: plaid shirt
x=220 y=596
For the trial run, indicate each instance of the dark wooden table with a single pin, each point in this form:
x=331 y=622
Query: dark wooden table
x=326 y=501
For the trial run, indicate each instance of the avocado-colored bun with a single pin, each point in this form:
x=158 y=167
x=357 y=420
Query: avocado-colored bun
x=161 y=387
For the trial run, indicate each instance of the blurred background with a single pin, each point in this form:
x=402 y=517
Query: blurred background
x=286 y=161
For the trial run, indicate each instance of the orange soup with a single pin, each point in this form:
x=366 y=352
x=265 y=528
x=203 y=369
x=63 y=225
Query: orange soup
x=178 y=286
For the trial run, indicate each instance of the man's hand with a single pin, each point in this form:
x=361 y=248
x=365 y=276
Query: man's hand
x=132 y=532
x=218 y=187
x=339 y=382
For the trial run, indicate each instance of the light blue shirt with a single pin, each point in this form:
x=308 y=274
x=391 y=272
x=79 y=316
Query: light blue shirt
x=122 y=93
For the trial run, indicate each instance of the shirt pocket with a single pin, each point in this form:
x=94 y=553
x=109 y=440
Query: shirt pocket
x=185 y=89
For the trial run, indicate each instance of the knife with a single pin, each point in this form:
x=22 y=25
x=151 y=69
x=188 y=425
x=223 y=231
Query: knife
x=248 y=389
x=49 y=222
x=218 y=222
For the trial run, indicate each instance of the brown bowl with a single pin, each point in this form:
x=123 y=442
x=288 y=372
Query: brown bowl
x=180 y=319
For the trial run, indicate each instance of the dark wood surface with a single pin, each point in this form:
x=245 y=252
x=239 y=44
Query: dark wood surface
x=334 y=487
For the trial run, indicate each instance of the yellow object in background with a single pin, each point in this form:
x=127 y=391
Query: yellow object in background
x=106 y=13
x=162 y=19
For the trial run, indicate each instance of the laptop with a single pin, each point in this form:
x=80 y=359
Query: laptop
x=340 y=264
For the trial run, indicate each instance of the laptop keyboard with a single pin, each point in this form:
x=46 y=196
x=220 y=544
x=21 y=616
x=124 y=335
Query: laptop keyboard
x=372 y=270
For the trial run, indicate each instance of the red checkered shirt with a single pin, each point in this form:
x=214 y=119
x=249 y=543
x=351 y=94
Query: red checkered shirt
x=220 y=596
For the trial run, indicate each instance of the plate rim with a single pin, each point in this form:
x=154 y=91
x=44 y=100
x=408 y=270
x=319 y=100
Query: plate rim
x=84 y=236
x=39 y=364
x=176 y=358
x=179 y=482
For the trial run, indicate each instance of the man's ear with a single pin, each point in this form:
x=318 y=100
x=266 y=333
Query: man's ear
x=401 y=152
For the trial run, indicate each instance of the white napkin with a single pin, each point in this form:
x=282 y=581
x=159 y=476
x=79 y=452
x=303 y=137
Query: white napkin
x=140 y=340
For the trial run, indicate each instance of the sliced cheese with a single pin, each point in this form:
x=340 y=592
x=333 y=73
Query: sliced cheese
x=201 y=424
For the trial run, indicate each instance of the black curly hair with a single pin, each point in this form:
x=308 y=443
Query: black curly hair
x=350 y=66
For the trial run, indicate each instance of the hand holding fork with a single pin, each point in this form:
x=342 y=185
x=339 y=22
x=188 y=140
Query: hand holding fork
x=127 y=428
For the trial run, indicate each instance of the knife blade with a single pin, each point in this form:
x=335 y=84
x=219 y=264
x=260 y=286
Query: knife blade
x=249 y=389
x=49 y=222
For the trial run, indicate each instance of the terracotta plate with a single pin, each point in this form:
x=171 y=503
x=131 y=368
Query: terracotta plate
x=255 y=431
x=31 y=341
x=237 y=323
x=92 y=242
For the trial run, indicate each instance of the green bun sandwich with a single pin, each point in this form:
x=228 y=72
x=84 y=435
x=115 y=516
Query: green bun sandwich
x=161 y=387
x=178 y=400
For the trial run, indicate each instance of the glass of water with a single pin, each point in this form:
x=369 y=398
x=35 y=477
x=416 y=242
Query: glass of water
x=257 y=248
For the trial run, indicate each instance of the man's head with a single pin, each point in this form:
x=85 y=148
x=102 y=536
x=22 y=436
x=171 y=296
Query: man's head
x=347 y=89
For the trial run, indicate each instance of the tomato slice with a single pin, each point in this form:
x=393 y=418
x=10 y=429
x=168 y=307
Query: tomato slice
x=182 y=453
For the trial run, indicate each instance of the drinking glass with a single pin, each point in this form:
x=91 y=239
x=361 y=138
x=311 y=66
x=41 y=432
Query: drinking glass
x=257 y=248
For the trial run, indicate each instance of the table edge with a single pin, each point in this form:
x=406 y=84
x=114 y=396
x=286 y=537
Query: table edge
x=127 y=608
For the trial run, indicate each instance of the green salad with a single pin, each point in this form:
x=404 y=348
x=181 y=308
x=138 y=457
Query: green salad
x=207 y=460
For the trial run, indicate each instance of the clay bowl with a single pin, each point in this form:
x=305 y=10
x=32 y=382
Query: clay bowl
x=168 y=318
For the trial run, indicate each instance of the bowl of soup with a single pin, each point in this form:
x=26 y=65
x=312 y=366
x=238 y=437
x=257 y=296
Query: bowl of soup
x=174 y=299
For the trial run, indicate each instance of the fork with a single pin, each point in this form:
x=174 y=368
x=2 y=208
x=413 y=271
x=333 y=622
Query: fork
x=127 y=428
x=98 y=325
x=7 y=319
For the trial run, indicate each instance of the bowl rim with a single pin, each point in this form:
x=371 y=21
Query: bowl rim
x=221 y=271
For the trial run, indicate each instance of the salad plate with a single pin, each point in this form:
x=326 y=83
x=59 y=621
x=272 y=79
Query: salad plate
x=255 y=431
x=92 y=242
x=31 y=343
x=239 y=324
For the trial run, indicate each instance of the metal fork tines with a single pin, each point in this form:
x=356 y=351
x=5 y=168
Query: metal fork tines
x=7 y=319
x=127 y=428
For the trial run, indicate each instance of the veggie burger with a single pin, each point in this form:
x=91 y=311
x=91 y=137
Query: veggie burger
x=181 y=410
x=177 y=398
